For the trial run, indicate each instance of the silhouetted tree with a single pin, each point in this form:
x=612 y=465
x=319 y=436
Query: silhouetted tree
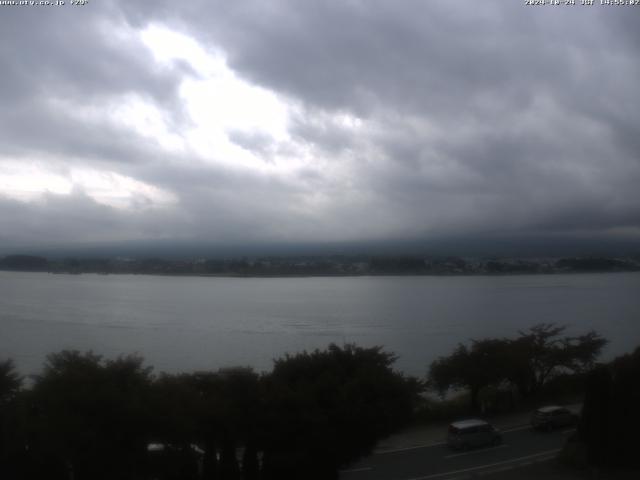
x=10 y=385
x=610 y=418
x=540 y=353
x=250 y=465
x=595 y=419
x=625 y=418
x=10 y=381
x=175 y=409
x=92 y=415
x=90 y=418
x=473 y=368
x=528 y=362
x=229 y=414
x=326 y=408
x=229 y=468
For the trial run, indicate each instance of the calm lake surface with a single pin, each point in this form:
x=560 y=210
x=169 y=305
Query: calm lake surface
x=195 y=323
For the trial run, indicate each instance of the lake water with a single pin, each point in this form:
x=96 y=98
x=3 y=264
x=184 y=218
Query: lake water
x=194 y=323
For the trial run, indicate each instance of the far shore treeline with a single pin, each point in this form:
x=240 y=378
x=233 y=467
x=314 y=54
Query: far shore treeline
x=321 y=265
x=84 y=417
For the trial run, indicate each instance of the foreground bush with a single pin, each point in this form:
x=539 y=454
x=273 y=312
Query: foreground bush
x=611 y=413
x=87 y=418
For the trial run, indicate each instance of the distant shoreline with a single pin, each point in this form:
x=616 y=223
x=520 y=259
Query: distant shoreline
x=330 y=266
x=327 y=275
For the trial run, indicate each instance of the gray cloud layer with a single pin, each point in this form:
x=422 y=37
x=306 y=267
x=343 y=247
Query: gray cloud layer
x=474 y=119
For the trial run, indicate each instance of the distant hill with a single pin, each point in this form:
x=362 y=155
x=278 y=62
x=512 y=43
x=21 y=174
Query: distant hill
x=327 y=265
x=487 y=245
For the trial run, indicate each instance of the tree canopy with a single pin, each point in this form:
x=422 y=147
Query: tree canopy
x=87 y=417
x=332 y=406
x=10 y=381
x=473 y=367
x=527 y=362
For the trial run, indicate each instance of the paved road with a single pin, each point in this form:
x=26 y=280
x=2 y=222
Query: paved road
x=437 y=462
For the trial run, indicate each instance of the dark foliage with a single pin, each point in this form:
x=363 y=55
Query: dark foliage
x=90 y=418
x=475 y=367
x=92 y=414
x=527 y=363
x=10 y=381
x=540 y=353
x=329 y=407
x=611 y=417
x=10 y=385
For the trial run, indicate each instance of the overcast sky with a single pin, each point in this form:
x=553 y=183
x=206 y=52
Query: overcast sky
x=307 y=121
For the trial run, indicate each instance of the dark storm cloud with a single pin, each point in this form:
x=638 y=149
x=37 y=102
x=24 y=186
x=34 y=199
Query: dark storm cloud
x=80 y=55
x=420 y=118
x=59 y=218
x=54 y=51
x=36 y=129
x=403 y=55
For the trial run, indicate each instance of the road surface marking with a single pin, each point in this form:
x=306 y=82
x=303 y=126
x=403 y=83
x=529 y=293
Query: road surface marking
x=515 y=429
x=503 y=469
x=476 y=451
x=415 y=447
x=571 y=430
x=353 y=470
x=479 y=467
x=491 y=471
x=427 y=445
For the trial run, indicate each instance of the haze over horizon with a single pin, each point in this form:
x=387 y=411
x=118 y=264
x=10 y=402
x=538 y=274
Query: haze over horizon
x=319 y=123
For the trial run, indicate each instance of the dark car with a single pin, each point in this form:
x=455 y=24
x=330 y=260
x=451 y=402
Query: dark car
x=471 y=434
x=548 y=418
